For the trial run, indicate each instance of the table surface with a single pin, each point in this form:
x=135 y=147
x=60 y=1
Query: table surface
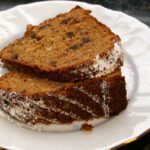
x=139 y=9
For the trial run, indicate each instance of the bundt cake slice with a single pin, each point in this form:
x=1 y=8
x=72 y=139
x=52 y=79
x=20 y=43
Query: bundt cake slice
x=57 y=102
x=70 y=47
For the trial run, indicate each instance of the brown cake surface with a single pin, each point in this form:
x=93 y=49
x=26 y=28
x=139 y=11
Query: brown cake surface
x=64 y=102
x=86 y=127
x=70 y=47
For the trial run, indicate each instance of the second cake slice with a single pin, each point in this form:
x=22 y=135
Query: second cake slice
x=33 y=100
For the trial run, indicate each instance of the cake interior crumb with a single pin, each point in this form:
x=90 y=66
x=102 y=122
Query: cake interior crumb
x=86 y=127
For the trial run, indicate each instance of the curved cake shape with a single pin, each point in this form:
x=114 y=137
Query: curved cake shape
x=23 y=115
x=70 y=47
x=63 y=102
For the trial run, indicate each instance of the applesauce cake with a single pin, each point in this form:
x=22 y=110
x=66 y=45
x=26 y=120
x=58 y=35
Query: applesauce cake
x=71 y=47
x=39 y=100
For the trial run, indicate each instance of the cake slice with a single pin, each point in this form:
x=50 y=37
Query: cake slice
x=42 y=99
x=70 y=47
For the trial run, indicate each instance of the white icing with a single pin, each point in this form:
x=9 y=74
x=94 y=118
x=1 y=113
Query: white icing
x=73 y=101
x=13 y=96
x=101 y=65
x=94 y=97
x=75 y=126
x=25 y=103
x=19 y=114
x=17 y=111
x=41 y=104
x=105 y=106
x=22 y=114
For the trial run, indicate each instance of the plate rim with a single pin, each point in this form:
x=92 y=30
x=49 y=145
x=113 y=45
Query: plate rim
x=93 y=5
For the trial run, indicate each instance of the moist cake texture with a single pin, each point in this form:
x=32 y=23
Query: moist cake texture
x=61 y=102
x=70 y=47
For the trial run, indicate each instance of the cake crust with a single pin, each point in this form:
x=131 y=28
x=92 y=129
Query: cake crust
x=85 y=100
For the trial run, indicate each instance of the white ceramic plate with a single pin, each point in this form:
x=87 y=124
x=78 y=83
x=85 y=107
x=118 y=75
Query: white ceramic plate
x=129 y=124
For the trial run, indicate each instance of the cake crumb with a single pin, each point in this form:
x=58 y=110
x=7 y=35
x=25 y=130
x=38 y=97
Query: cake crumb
x=86 y=127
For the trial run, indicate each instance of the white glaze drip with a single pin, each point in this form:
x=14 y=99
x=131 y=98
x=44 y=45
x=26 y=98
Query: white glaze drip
x=94 y=97
x=13 y=96
x=16 y=113
x=73 y=101
x=101 y=65
x=22 y=114
x=41 y=104
x=105 y=106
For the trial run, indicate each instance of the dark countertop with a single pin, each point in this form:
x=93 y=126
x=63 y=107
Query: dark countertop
x=139 y=9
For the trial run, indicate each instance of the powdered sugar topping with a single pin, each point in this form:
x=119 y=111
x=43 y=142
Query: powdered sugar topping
x=102 y=65
x=104 y=86
x=94 y=97
x=26 y=102
x=75 y=102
